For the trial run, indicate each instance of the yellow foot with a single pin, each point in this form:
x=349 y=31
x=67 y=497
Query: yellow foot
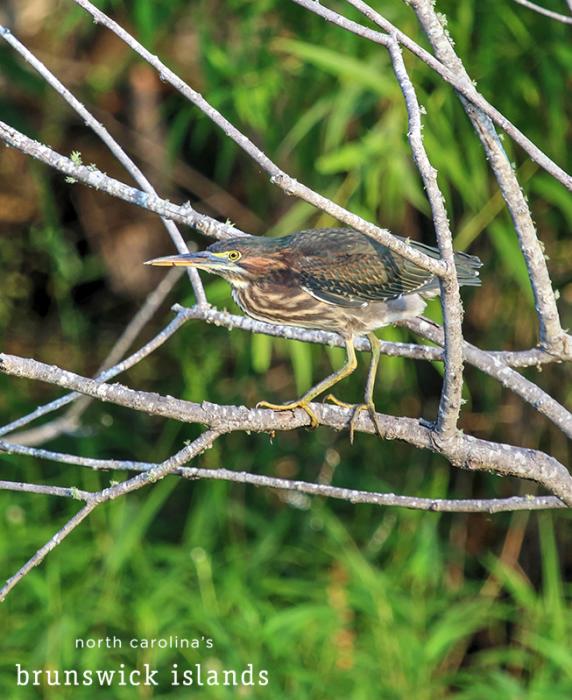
x=332 y=399
x=358 y=408
x=304 y=405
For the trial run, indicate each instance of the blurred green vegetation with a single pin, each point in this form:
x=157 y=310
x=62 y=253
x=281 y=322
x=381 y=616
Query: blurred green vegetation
x=334 y=600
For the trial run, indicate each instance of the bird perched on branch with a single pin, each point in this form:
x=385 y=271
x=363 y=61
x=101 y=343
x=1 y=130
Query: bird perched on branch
x=333 y=279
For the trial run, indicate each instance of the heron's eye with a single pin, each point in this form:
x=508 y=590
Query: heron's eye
x=234 y=255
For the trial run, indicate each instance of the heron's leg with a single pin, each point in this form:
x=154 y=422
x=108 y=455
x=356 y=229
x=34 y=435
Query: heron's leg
x=373 y=365
x=327 y=383
x=368 y=404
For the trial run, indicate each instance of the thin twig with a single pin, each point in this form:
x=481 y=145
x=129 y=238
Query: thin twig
x=43 y=552
x=533 y=357
x=44 y=490
x=11 y=448
x=543 y=11
x=464 y=505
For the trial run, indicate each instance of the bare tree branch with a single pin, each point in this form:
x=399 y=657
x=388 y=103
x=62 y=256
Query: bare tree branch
x=185 y=213
x=43 y=552
x=543 y=11
x=464 y=505
x=451 y=393
x=534 y=357
x=44 y=490
x=217 y=317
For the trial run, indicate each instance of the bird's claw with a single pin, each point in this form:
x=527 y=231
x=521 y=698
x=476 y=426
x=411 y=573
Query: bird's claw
x=292 y=406
x=342 y=404
x=357 y=409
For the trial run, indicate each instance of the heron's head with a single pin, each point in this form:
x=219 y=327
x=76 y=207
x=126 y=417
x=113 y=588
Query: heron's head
x=239 y=260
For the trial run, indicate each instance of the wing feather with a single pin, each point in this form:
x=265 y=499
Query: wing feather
x=344 y=267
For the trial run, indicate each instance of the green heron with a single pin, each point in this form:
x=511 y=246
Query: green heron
x=333 y=279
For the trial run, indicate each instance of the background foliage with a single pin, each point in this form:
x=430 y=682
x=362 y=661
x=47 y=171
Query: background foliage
x=333 y=599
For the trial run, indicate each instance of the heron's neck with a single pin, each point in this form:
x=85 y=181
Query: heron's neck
x=239 y=282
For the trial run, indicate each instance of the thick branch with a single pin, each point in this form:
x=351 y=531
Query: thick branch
x=481 y=113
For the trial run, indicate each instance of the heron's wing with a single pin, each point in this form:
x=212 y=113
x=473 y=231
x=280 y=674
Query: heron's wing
x=341 y=266
x=336 y=299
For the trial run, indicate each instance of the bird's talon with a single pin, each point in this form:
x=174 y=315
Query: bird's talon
x=332 y=399
x=314 y=422
x=357 y=409
x=373 y=415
